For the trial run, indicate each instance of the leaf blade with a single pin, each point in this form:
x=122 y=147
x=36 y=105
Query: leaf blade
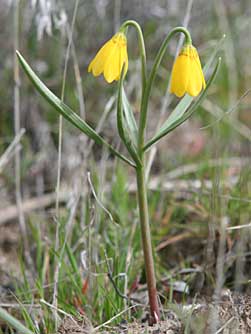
x=123 y=131
x=66 y=111
x=129 y=117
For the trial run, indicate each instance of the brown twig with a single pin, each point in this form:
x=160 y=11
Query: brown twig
x=11 y=212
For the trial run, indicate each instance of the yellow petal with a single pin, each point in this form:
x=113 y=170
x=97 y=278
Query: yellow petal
x=120 y=63
x=196 y=80
x=201 y=74
x=187 y=74
x=97 y=64
x=195 y=83
x=180 y=75
x=123 y=61
x=111 y=68
x=197 y=58
x=110 y=58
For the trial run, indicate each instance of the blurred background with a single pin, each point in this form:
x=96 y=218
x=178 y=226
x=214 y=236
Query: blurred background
x=199 y=175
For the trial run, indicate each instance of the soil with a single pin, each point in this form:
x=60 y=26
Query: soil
x=230 y=315
x=9 y=264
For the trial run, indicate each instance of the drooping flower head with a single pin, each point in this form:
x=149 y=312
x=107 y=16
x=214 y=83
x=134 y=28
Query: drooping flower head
x=110 y=58
x=187 y=75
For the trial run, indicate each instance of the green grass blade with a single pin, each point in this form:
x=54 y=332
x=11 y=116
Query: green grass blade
x=129 y=117
x=122 y=127
x=13 y=322
x=188 y=114
x=65 y=111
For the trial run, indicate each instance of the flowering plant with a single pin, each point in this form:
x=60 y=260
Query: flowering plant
x=187 y=78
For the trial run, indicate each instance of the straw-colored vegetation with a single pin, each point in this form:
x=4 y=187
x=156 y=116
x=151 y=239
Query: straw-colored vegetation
x=71 y=256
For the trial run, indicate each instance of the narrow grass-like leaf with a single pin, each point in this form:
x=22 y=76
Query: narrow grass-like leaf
x=217 y=48
x=129 y=117
x=122 y=128
x=65 y=111
x=13 y=322
x=73 y=263
x=186 y=115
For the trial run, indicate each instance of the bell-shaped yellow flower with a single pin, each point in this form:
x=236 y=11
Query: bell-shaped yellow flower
x=187 y=75
x=110 y=58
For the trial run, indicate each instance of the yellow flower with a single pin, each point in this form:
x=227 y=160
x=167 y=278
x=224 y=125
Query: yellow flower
x=187 y=75
x=110 y=58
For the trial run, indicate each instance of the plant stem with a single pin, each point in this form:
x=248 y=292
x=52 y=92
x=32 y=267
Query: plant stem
x=142 y=49
x=148 y=88
x=147 y=245
x=141 y=187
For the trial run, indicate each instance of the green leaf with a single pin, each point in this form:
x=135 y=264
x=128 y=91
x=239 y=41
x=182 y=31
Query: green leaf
x=213 y=54
x=124 y=133
x=13 y=322
x=129 y=117
x=179 y=120
x=65 y=111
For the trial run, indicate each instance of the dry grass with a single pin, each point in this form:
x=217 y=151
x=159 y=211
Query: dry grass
x=199 y=177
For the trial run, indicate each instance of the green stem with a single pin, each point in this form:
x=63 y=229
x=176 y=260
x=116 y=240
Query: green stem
x=141 y=48
x=141 y=183
x=147 y=245
x=160 y=55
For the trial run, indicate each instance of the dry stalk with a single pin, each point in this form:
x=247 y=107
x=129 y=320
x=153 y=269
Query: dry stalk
x=21 y=217
x=59 y=166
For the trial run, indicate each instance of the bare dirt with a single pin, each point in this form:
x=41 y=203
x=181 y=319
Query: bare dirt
x=230 y=315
